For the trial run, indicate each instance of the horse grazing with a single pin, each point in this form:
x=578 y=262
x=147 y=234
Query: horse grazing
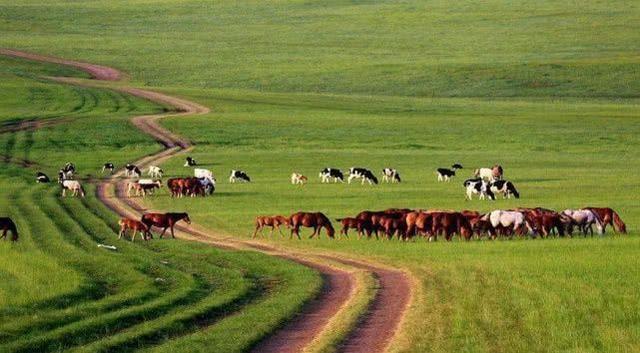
x=609 y=216
x=508 y=220
x=450 y=223
x=6 y=224
x=270 y=221
x=315 y=220
x=351 y=223
x=136 y=226
x=584 y=219
x=164 y=220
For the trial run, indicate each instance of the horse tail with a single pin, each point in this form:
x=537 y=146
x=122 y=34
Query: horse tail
x=619 y=224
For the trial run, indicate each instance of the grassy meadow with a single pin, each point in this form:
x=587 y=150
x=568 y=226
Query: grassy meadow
x=547 y=89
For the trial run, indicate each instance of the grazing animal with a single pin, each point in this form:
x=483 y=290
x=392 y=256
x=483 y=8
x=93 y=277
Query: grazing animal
x=191 y=186
x=315 y=220
x=131 y=170
x=609 y=216
x=363 y=173
x=136 y=226
x=108 y=166
x=545 y=222
x=504 y=187
x=208 y=185
x=164 y=220
x=73 y=186
x=449 y=224
x=456 y=166
x=238 y=175
x=360 y=225
x=327 y=173
x=584 y=219
x=297 y=178
x=390 y=175
x=68 y=170
x=7 y=225
x=512 y=220
x=489 y=174
x=190 y=162
x=155 y=171
x=204 y=173
x=270 y=221
x=445 y=174
x=42 y=178
x=143 y=187
x=479 y=187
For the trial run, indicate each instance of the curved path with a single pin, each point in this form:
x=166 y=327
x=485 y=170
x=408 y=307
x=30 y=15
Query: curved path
x=384 y=314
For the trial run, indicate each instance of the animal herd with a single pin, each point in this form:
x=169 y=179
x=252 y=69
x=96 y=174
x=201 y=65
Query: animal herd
x=405 y=224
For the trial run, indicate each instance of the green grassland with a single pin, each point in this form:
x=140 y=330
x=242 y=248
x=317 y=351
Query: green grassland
x=548 y=89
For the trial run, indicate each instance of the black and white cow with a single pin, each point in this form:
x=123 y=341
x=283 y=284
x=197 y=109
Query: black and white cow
x=363 y=173
x=479 y=187
x=327 y=173
x=68 y=170
x=108 y=166
x=456 y=166
x=390 y=174
x=238 y=175
x=131 y=170
x=42 y=178
x=504 y=187
x=445 y=174
x=190 y=162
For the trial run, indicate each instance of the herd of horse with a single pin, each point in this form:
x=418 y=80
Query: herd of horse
x=406 y=224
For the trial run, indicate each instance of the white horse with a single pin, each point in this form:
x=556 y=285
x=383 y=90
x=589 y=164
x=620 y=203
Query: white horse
x=155 y=171
x=73 y=186
x=585 y=219
x=508 y=219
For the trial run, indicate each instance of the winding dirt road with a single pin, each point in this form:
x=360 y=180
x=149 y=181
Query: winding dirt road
x=383 y=317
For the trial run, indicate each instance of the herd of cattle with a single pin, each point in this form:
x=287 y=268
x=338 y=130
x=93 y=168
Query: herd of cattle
x=406 y=223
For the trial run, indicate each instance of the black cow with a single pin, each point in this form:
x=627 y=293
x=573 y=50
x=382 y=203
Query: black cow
x=327 y=173
x=363 y=173
x=238 y=175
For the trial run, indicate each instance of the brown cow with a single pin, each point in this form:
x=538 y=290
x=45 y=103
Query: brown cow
x=270 y=221
x=315 y=220
x=136 y=226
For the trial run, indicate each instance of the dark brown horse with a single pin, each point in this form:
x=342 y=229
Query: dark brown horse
x=6 y=224
x=451 y=223
x=270 y=221
x=164 y=220
x=609 y=216
x=315 y=220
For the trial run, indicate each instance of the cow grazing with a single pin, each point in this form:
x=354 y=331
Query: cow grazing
x=270 y=221
x=456 y=166
x=327 y=173
x=479 y=187
x=298 y=179
x=190 y=162
x=42 y=178
x=108 y=166
x=238 y=175
x=155 y=171
x=390 y=175
x=445 y=174
x=136 y=226
x=73 y=186
x=315 y=220
x=504 y=187
x=362 y=173
x=7 y=225
x=131 y=170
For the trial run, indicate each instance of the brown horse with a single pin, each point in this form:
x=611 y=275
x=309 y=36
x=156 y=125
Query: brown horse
x=315 y=220
x=609 y=216
x=6 y=224
x=270 y=221
x=136 y=226
x=164 y=220
x=451 y=223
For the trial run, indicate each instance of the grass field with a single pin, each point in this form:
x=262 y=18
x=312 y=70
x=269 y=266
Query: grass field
x=547 y=89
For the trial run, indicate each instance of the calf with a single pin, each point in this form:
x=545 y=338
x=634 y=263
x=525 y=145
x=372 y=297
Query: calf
x=155 y=172
x=390 y=174
x=504 y=187
x=136 y=226
x=42 y=178
x=190 y=162
x=270 y=221
x=131 y=170
x=238 y=175
x=297 y=178
x=108 y=166
x=479 y=187
x=445 y=174
x=363 y=173
x=327 y=173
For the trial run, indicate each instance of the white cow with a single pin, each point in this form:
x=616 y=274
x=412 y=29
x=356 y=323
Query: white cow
x=73 y=186
x=155 y=171
x=204 y=173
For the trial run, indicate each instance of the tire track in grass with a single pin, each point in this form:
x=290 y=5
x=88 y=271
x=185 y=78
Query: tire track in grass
x=376 y=328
